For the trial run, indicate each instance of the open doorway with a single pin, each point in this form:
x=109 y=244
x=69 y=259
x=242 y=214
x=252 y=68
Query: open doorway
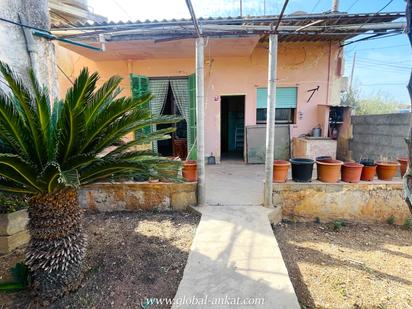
x=232 y=126
x=177 y=145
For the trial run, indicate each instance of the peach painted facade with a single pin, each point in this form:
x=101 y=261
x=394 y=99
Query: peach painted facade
x=304 y=65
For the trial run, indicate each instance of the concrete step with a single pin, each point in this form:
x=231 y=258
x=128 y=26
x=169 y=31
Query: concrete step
x=235 y=259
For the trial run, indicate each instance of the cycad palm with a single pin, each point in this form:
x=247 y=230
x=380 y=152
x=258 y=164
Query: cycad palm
x=49 y=151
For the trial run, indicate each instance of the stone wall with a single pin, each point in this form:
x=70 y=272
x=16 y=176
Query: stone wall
x=363 y=202
x=131 y=196
x=379 y=136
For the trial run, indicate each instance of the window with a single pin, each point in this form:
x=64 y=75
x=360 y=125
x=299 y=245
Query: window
x=286 y=100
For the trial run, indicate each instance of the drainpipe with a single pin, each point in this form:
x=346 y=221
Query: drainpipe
x=31 y=48
x=270 y=123
x=329 y=75
x=200 y=119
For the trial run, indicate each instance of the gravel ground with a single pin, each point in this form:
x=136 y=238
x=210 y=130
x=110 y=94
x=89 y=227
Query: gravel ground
x=359 y=266
x=131 y=257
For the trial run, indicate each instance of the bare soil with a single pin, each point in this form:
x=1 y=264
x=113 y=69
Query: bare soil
x=131 y=257
x=358 y=266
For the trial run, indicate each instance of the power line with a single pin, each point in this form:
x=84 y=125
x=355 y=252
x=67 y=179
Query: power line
x=64 y=73
x=384 y=61
x=121 y=8
x=377 y=48
x=368 y=20
x=374 y=37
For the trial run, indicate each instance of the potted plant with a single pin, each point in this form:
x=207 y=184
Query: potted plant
x=13 y=222
x=403 y=161
x=368 y=170
x=386 y=169
x=48 y=151
x=351 y=172
x=329 y=170
x=189 y=169
x=280 y=171
x=302 y=169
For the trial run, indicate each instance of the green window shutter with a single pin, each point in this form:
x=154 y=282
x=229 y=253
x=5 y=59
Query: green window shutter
x=192 y=145
x=286 y=97
x=139 y=86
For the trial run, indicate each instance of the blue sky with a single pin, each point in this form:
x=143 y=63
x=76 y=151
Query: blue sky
x=382 y=66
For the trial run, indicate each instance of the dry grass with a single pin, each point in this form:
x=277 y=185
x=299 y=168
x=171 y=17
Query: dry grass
x=359 y=266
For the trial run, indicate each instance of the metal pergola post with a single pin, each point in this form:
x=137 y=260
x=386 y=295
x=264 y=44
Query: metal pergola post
x=200 y=122
x=200 y=108
x=270 y=121
x=271 y=109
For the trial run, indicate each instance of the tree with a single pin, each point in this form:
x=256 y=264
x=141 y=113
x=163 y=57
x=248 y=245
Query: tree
x=49 y=151
x=408 y=175
x=379 y=103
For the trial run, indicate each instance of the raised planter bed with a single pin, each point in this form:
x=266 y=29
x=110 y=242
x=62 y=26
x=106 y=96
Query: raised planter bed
x=132 y=196
x=364 y=202
x=13 y=232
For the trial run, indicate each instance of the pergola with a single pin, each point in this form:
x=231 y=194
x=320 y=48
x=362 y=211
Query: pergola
x=330 y=26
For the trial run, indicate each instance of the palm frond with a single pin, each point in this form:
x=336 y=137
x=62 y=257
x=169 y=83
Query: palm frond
x=118 y=108
x=46 y=148
x=105 y=94
x=23 y=101
x=14 y=168
x=71 y=121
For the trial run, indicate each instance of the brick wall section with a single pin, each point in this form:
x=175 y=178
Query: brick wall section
x=379 y=136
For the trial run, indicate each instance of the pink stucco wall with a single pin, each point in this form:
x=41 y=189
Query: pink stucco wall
x=303 y=65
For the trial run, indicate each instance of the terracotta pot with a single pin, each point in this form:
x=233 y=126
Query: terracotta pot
x=368 y=172
x=189 y=171
x=403 y=161
x=351 y=172
x=386 y=170
x=329 y=170
x=280 y=171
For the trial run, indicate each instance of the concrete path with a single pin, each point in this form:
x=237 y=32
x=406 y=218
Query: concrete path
x=234 y=183
x=235 y=262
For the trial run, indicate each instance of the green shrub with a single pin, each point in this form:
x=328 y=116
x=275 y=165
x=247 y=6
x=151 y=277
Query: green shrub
x=407 y=224
x=391 y=220
x=11 y=202
x=338 y=225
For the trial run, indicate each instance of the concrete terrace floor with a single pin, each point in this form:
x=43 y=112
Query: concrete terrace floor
x=234 y=182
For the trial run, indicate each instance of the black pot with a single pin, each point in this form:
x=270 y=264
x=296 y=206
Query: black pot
x=302 y=169
x=321 y=158
x=367 y=162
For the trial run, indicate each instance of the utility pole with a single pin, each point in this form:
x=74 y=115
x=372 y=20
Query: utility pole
x=240 y=8
x=408 y=175
x=352 y=71
x=335 y=6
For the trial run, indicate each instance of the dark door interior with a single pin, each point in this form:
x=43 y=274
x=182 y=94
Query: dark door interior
x=232 y=126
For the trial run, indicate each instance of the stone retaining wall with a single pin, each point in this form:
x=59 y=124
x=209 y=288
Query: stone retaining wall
x=363 y=202
x=131 y=196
